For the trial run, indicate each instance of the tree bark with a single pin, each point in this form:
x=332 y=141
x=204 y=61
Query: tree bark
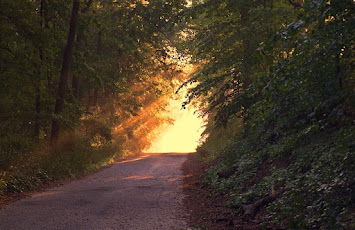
x=76 y=85
x=247 y=51
x=250 y=210
x=98 y=47
x=88 y=103
x=87 y=7
x=338 y=72
x=64 y=74
x=96 y=92
x=37 y=126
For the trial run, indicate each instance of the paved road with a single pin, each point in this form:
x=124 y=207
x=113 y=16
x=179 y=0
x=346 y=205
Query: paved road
x=144 y=193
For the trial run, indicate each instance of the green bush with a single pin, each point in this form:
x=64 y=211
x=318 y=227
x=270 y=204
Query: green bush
x=12 y=147
x=311 y=171
x=76 y=155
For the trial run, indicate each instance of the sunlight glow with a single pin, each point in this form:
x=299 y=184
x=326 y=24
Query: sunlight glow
x=183 y=135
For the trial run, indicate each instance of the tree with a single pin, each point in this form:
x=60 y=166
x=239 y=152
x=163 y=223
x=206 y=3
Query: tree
x=115 y=47
x=64 y=74
x=228 y=39
x=297 y=131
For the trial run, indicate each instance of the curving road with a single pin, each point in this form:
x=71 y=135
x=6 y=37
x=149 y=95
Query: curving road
x=143 y=193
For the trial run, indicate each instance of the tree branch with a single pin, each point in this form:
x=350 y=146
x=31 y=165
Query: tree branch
x=295 y=4
x=87 y=7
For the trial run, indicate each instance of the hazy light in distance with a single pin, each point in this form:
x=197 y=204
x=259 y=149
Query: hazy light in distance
x=183 y=135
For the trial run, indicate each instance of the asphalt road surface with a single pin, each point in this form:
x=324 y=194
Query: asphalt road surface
x=143 y=193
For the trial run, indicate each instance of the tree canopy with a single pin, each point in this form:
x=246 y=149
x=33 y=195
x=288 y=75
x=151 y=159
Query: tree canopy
x=85 y=81
x=276 y=80
x=116 y=66
x=90 y=77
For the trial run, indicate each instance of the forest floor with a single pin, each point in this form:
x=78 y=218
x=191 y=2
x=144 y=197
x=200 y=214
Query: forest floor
x=206 y=209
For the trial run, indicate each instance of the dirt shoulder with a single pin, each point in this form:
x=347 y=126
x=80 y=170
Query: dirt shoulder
x=205 y=210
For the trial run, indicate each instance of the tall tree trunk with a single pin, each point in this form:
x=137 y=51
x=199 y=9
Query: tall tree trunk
x=98 y=46
x=247 y=50
x=96 y=92
x=338 y=72
x=37 y=126
x=64 y=74
x=98 y=52
x=76 y=85
x=88 y=102
x=75 y=76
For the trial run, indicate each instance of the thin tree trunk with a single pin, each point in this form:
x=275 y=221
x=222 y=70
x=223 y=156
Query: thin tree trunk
x=50 y=87
x=75 y=76
x=76 y=85
x=37 y=126
x=88 y=103
x=64 y=75
x=247 y=52
x=96 y=92
x=338 y=72
x=98 y=47
x=98 y=52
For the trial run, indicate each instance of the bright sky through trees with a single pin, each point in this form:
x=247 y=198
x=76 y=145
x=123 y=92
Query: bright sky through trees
x=183 y=135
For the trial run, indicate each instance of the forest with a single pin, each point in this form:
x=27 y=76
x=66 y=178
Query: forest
x=86 y=82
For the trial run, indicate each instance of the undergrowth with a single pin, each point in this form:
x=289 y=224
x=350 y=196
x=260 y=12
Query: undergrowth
x=34 y=163
x=210 y=150
x=310 y=170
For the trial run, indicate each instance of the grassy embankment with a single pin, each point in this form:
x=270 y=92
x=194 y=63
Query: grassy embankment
x=309 y=173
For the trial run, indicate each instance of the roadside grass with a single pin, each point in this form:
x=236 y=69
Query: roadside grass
x=39 y=164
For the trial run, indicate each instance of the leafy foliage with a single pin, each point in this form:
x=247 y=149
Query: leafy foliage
x=121 y=76
x=295 y=98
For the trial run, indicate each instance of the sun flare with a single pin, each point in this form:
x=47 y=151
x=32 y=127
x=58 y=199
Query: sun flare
x=183 y=135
